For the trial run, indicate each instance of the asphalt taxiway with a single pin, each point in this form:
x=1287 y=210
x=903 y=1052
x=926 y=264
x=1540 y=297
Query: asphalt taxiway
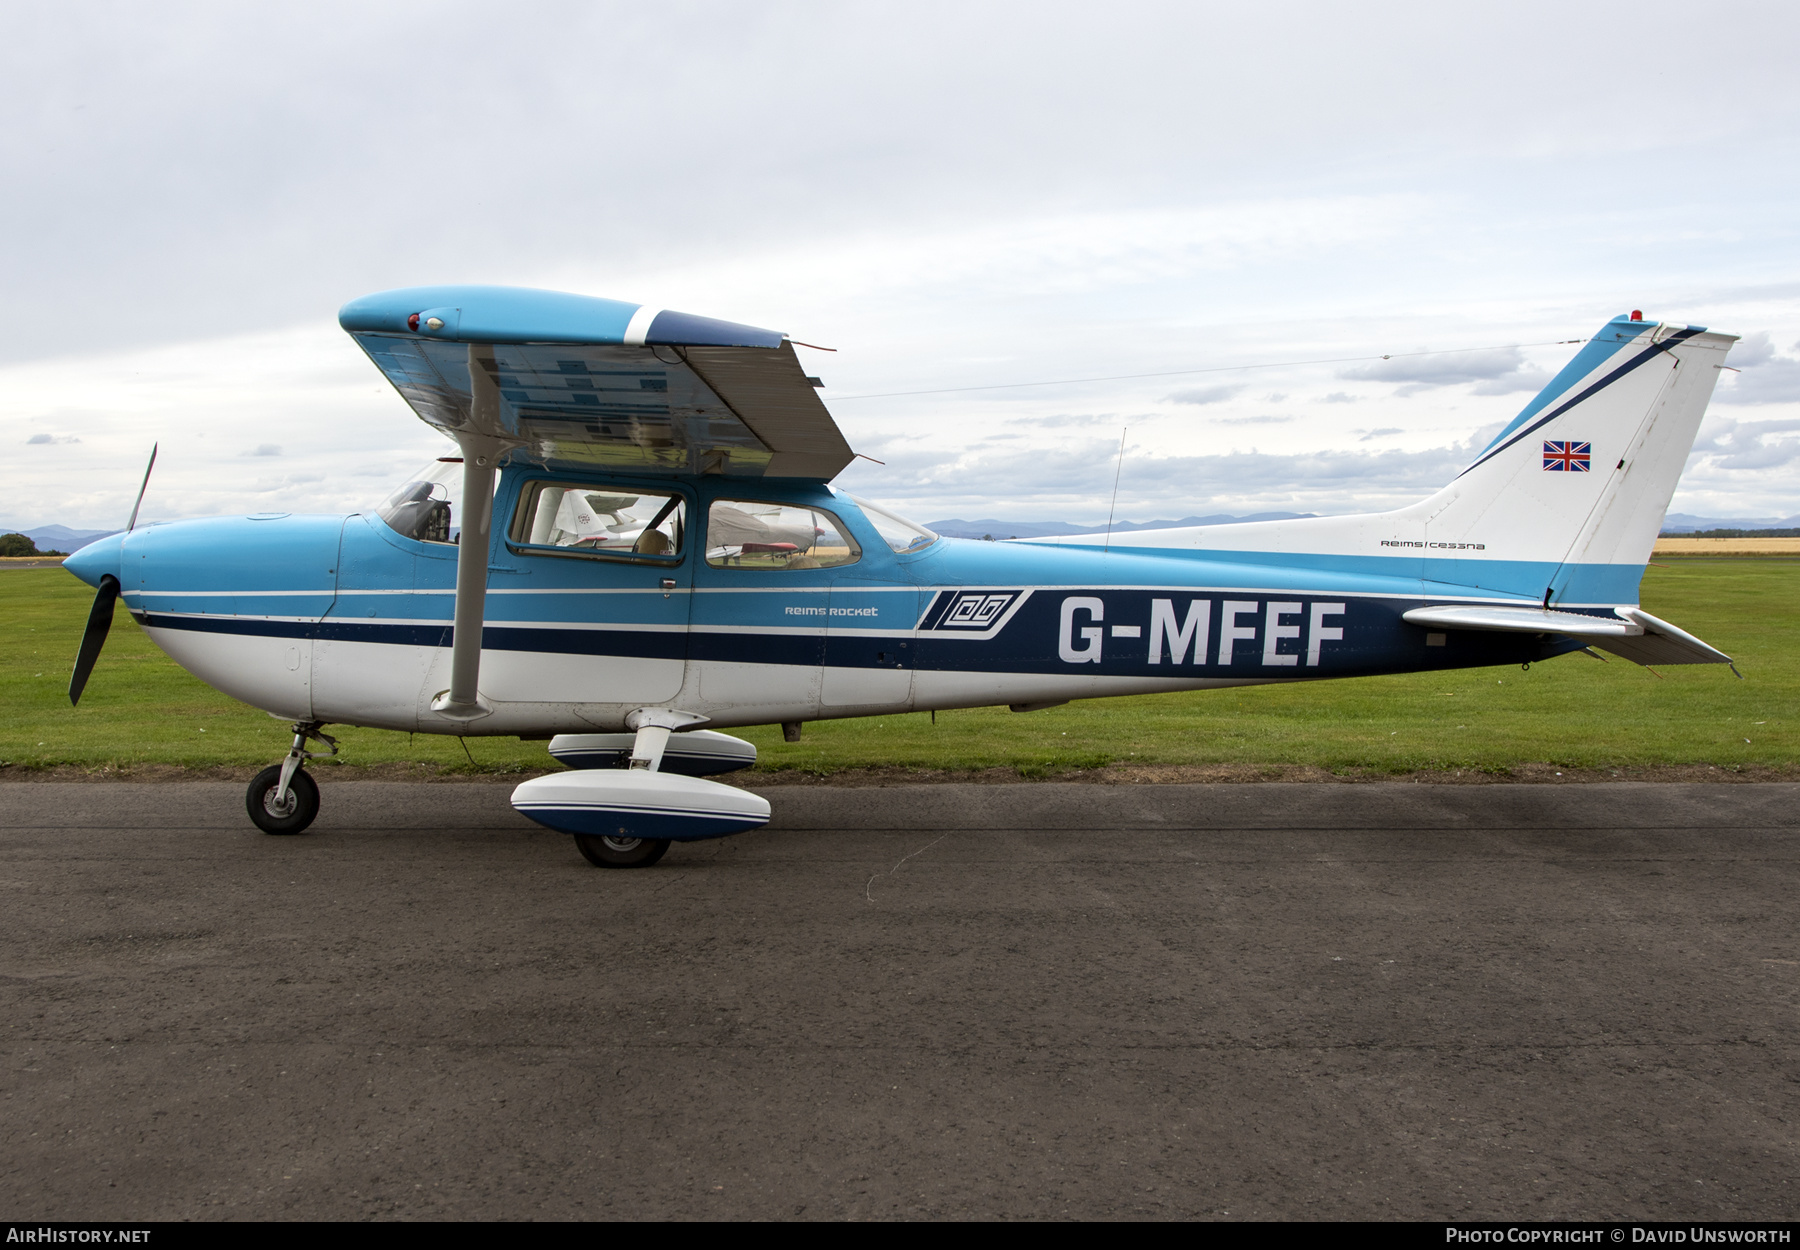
x=1045 y=1000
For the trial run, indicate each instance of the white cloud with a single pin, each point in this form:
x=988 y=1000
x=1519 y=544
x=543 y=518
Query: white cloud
x=1440 y=368
x=1521 y=379
x=1753 y=349
x=200 y=401
x=1765 y=377
x=1741 y=468
x=1204 y=395
x=1072 y=483
x=1493 y=371
x=1728 y=444
x=1062 y=420
x=1239 y=190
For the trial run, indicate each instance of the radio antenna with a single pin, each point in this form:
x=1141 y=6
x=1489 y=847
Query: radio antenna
x=132 y=524
x=1113 y=507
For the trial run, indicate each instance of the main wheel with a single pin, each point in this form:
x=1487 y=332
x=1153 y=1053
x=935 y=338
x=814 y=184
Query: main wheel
x=603 y=851
x=290 y=817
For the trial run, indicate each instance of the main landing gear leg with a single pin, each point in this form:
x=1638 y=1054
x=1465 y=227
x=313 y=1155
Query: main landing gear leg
x=653 y=726
x=284 y=798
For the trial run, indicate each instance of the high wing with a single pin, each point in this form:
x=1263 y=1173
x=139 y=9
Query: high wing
x=577 y=381
x=1631 y=632
x=580 y=382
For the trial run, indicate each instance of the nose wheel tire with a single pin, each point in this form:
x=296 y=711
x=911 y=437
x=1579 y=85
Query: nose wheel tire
x=292 y=816
x=604 y=851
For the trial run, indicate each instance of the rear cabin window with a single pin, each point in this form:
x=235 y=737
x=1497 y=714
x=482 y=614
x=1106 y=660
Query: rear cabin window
x=572 y=519
x=748 y=534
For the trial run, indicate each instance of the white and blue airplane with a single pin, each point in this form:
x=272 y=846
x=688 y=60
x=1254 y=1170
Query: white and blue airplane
x=639 y=537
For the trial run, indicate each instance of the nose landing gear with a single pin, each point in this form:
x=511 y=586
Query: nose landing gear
x=283 y=798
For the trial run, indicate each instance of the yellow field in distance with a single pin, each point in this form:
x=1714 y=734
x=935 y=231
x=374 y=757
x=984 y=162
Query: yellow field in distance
x=1727 y=546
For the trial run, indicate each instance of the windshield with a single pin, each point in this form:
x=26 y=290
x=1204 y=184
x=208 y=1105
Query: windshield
x=429 y=507
x=898 y=532
x=422 y=508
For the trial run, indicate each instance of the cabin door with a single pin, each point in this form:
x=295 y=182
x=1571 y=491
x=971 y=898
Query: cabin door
x=588 y=597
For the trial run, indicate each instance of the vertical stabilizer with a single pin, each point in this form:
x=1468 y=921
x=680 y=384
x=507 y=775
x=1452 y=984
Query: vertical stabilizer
x=1570 y=496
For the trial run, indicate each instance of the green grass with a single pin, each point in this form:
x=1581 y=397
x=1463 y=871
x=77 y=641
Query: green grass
x=141 y=709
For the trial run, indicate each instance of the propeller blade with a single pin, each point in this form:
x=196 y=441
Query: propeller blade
x=100 y=619
x=132 y=524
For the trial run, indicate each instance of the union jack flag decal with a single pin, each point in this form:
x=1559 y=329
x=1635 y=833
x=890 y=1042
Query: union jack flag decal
x=1568 y=457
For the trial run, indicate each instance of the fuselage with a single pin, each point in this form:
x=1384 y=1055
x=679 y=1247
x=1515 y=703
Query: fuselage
x=648 y=542
x=343 y=619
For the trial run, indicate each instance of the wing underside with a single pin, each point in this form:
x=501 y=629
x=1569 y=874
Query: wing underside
x=737 y=411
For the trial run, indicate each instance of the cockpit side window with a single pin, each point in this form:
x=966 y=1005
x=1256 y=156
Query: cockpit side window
x=756 y=534
x=570 y=518
x=426 y=508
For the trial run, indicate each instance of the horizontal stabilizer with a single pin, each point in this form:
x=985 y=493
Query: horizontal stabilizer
x=1633 y=634
x=1523 y=621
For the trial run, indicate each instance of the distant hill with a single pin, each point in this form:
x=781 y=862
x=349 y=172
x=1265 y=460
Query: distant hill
x=62 y=538
x=1682 y=523
x=1044 y=529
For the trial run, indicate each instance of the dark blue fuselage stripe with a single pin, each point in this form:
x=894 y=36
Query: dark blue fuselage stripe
x=802 y=649
x=1374 y=639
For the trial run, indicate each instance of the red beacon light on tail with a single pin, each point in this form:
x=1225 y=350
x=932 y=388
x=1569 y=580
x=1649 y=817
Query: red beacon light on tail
x=1637 y=314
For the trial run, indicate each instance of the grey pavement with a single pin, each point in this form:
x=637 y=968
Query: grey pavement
x=1020 y=1001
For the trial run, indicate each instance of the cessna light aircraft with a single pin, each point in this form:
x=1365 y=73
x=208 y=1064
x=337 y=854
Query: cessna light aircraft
x=639 y=537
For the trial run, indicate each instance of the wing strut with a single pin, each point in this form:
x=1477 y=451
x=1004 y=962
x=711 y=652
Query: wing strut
x=463 y=701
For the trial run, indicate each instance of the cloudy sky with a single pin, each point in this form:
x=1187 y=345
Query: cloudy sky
x=953 y=196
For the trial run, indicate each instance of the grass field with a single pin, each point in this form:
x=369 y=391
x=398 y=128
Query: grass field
x=141 y=709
